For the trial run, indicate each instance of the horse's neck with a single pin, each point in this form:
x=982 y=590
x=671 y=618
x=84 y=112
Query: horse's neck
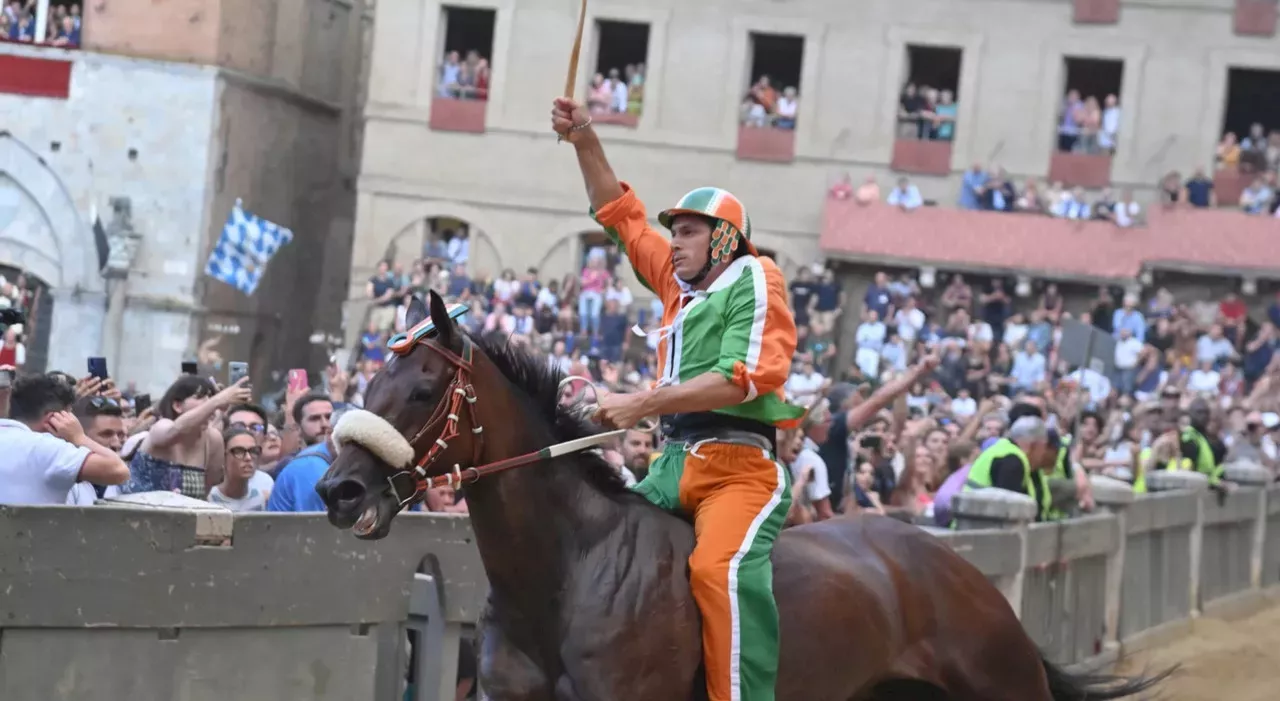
x=532 y=521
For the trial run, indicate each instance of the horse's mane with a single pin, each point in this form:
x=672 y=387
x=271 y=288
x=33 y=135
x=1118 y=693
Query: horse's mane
x=540 y=385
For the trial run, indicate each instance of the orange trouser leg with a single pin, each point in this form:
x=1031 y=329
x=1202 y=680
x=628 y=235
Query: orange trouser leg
x=739 y=497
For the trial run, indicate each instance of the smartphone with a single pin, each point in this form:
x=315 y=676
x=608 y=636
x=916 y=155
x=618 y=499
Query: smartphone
x=141 y=403
x=871 y=442
x=236 y=370
x=98 y=368
x=189 y=368
x=298 y=380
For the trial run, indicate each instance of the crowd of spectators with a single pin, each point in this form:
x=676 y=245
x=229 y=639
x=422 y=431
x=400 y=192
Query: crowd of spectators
x=17 y=294
x=18 y=23
x=617 y=92
x=464 y=79
x=926 y=113
x=1086 y=126
x=764 y=106
x=991 y=354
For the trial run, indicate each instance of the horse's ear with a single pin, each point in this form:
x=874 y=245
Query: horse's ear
x=446 y=332
x=415 y=313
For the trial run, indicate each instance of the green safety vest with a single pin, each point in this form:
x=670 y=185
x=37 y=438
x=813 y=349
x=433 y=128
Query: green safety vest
x=1140 y=480
x=1204 y=462
x=980 y=474
x=1063 y=469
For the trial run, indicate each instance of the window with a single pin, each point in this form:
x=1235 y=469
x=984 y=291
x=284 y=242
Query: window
x=617 y=88
x=56 y=23
x=468 y=46
x=1089 y=116
x=927 y=106
x=773 y=96
x=1249 y=121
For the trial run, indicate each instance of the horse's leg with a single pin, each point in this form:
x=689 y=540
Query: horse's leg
x=505 y=673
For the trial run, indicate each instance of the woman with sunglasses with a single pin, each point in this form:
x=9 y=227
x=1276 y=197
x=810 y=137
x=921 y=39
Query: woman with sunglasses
x=243 y=486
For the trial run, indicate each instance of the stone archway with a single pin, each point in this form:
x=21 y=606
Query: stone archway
x=42 y=233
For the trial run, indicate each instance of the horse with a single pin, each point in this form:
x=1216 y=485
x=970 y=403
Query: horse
x=589 y=594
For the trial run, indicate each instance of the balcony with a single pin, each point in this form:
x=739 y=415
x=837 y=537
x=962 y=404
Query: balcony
x=1095 y=11
x=1040 y=245
x=1255 y=18
x=1080 y=169
x=450 y=114
x=921 y=157
x=766 y=144
x=1228 y=183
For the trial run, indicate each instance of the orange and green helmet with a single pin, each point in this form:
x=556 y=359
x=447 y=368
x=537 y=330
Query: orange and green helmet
x=733 y=226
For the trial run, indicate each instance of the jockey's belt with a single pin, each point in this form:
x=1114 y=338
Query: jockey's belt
x=745 y=438
x=713 y=426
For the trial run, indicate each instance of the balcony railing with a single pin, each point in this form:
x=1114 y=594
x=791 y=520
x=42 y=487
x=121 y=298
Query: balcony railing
x=453 y=114
x=766 y=144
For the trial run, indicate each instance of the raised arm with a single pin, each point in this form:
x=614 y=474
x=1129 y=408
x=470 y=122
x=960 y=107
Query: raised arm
x=613 y=204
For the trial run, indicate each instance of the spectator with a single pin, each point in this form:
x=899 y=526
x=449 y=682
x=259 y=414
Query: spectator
x=618 y=87
x=788 y=108
x=973 y=185
x=46 y=452
x=450 y=75
x=1127 y=353
x=1069 y=121
x=1256 y=199
x=905 y=195
x=1200 y=190
x=816 y=427
x=944 y=117
x=843 y=189
x=868 y=192
x=591 y=296
x=600 y=95
x=1127 y=212
x=182 y=452
x=12 y=352
x=243 y=486
x=870 y=338
x=1227 y=154
x=910 y=107
x=295 y=485
x=1110 y=124
x=805 y=384
x=1128 y=317
x=828 y=303
x=1090 y=123
x=102 y=418
x=1028 y=368
x=383 y=292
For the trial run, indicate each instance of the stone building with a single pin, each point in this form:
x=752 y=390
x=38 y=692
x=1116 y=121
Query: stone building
x=167 y=115
x=1183 y=72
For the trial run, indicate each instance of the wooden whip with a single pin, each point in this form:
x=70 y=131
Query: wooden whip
x=570 y=81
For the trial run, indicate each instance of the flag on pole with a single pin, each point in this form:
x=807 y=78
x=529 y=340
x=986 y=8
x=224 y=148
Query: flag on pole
x=246 y=246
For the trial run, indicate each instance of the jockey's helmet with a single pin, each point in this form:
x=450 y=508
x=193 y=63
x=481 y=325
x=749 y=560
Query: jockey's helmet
x=732 y=228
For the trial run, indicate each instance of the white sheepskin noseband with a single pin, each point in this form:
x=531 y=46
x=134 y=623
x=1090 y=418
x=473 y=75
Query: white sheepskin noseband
x=373 y=433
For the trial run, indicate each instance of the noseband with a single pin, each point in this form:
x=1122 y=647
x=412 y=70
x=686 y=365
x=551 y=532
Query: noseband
x=460 y=392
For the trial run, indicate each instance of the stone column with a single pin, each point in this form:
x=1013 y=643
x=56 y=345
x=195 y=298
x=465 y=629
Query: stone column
x=999 y=508
x=123 y=243
x=1254 y=476
x=1114 y=496
x=1171 y=480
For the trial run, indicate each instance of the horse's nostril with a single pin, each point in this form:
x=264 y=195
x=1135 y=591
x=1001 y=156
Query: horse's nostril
x=347 y=491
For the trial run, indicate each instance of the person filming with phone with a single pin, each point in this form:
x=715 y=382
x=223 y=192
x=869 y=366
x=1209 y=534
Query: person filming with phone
x=46 y=451
x=183 y=451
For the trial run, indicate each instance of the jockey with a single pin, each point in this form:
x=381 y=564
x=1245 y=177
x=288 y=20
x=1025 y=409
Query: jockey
x=725 y=349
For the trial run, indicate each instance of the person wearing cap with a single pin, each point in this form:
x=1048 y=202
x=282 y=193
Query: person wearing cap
x=1248 y=446
x=1016 y=463
x=725 y=349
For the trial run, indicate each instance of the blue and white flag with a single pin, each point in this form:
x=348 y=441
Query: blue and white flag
x=244 y=249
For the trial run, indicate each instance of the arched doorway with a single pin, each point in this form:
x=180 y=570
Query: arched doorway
x=44 y=236
x=443 y=240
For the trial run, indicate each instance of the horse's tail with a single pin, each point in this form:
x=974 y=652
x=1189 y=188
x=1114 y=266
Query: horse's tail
x=1091 y=686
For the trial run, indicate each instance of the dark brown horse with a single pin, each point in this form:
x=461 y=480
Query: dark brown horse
x=589 y=593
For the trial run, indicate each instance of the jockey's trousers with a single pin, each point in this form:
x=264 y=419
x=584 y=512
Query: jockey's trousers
x=738 y=496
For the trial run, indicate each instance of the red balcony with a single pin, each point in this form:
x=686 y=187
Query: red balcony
x=1255 y=18
x=921 y=157
x=1078 y=169
x=1096 y=11
x=622 y=119
x=35 y=77
x=766 y=144
x=448 y=114
x=1228 y=183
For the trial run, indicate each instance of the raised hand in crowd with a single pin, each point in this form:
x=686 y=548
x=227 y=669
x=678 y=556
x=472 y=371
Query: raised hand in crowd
x=338 y=383
x=88 y=386
x=238 y=393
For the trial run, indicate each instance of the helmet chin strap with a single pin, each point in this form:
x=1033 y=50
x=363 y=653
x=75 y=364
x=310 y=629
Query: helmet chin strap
x=702 y=274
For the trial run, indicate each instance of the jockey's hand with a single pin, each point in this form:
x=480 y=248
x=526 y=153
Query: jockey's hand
x=620 y=410
x=565 y=114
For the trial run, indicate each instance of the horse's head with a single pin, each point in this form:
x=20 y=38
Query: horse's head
x=419 y=421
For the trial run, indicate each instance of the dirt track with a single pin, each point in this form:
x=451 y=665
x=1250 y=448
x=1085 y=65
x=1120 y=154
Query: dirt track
x=1221 y=661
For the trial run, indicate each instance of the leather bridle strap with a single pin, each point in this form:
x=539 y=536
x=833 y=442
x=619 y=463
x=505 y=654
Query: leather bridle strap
x=461 y=476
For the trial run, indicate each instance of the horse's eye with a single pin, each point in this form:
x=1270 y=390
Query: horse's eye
x=420 y=394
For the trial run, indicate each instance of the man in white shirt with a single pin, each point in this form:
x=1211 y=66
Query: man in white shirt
x=46 y=451
x=870 y=339
x=910 y=321
x=803 y=387
x=816 y=426
x=1128 y=350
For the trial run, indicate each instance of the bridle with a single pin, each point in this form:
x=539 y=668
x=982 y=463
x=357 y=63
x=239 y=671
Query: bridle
x=458 y=394
x=447 y=417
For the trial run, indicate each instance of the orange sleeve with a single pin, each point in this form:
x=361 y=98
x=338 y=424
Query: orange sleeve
x=760 y=333
x=624 y=220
